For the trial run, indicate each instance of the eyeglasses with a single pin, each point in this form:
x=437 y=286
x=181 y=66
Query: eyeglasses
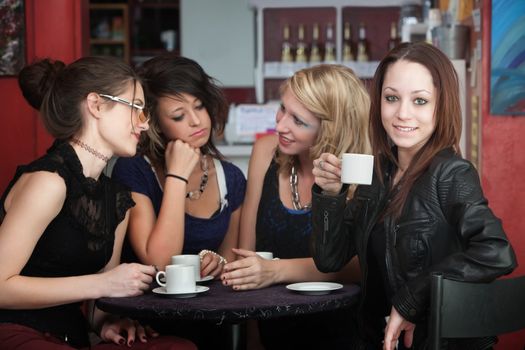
x=143 y=117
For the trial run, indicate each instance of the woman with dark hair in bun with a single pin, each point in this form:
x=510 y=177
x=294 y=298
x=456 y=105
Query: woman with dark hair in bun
x=62 y=222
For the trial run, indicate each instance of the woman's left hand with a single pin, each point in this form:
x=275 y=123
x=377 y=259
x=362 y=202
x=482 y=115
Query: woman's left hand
x=396 y=324
x=252 y=272
x=125 y=331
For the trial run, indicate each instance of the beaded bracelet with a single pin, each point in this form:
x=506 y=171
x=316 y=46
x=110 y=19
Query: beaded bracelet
x=222 y=260
x=177 y=177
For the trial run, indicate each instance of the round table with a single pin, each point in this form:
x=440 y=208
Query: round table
x=222 y=304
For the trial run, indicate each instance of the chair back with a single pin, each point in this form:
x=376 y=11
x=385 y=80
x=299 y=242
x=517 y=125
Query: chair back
x=468 y=310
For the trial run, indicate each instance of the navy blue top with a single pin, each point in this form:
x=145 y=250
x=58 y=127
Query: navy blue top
x=283 y=231
x=199 y=233
x=286 y=233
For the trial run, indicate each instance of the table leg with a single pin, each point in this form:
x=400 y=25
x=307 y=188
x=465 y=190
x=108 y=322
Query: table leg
x=237 y=336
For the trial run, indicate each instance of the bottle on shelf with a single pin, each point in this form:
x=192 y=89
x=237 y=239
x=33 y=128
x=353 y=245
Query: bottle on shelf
x=394 y=38
x=348 y=45
x=362 y=45
x=315 y=51
x=300 y=51
x=329 y=45
x=286 y=50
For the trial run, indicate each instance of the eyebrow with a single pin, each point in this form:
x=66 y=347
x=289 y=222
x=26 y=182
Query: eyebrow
x=413 y=92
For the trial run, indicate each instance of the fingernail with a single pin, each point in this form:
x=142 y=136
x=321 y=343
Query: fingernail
x=121 y=341
x=143 y=338
x=225 y=282
x=130 y=343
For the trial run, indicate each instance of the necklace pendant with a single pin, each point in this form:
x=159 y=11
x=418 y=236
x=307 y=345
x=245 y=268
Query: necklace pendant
x=194 y=195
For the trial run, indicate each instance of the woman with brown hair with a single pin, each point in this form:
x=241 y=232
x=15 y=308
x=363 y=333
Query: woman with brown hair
x=62 y=221
x=424 y=211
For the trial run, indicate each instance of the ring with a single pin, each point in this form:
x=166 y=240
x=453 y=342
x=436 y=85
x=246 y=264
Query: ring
x=321 y=164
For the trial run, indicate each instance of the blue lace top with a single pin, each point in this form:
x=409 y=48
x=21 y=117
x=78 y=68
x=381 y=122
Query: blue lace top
x=199 y=233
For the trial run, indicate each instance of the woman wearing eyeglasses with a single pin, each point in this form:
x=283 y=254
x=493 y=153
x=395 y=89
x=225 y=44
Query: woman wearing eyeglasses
x=62 y=222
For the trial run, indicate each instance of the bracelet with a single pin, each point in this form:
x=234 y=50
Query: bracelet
x=222 y=260
x=177 y=177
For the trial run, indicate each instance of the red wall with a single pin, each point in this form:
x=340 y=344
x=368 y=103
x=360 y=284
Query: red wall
x=55 y=29
x=502 y=169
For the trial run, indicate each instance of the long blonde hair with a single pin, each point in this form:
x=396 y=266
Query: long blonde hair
x=339 y=99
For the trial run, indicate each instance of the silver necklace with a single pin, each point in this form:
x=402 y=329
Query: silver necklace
x=294 y=179
x=90 y=150
x=194 y=195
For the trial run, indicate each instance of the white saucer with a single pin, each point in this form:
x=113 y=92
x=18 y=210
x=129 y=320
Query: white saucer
x=198 y=289
x=205 y=279
x=314 y=288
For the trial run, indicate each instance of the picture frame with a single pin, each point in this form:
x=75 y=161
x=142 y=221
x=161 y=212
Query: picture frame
x=12 y=37
x=507 y=58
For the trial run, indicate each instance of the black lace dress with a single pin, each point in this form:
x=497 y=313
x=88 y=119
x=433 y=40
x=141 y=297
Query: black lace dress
x=78 y=241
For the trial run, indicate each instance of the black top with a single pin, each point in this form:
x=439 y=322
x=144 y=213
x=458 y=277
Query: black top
x=283 y=231
x=286 y=233
x=78 y=241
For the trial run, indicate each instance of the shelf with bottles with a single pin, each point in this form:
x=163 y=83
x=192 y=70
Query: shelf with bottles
x=291 y=37
x=155 y=28
x=109 y=30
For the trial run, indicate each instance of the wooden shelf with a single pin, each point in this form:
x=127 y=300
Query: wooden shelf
x=109 y=30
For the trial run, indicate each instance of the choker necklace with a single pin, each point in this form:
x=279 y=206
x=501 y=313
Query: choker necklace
x=91 y=150
x=294 y=179
x=193 y=195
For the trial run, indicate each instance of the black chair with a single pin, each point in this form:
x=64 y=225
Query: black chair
x=467 y=310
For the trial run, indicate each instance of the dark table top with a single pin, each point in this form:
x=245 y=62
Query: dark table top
x=222 y=303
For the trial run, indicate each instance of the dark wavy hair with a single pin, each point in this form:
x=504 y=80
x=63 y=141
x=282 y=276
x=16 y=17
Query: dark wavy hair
x=171 y=75
x=57 y=90
x=447 y=115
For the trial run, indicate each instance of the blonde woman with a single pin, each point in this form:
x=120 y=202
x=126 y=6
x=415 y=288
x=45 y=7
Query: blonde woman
x=323 y=109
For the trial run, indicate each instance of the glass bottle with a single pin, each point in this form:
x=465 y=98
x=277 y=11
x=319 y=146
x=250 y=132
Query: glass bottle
x=394 y=39
x=329 y=45
x=300 y=52
x=348 y=45
x=286 y=50
x=362 y=44
x=315 y=52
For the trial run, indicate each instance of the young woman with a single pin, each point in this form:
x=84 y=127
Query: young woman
x=323 y=109
x=424 y=212
x=62 y=222
x=188 y=199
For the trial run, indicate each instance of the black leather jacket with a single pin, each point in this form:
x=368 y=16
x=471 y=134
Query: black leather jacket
x=446 y=226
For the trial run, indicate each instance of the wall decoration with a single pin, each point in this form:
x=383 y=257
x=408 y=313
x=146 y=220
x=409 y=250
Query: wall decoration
x=507 y=75
x=12 y=36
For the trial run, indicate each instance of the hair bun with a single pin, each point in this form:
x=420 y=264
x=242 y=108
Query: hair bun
x=35 y=80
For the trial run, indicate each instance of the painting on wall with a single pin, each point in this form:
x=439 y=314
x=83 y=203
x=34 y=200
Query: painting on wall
x=12 y=36
x=507 y=75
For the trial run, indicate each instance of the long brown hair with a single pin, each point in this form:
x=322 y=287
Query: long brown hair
x=447 y=115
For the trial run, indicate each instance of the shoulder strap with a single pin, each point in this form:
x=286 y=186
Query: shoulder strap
x=221 y=179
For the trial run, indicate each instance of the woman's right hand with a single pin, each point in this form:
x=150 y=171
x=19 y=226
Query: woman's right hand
x=327 y=173
x=126 y=280
x=181 y=158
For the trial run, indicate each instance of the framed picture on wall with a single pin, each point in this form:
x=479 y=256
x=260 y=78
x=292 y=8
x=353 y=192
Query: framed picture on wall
x=507 y=72
x=12 y=37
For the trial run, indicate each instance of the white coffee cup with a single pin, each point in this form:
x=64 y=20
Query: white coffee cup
x=179 y=278
x=357 y=168
x=188 y=259
x=265 y=255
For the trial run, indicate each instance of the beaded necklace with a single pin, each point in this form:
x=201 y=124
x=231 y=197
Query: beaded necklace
x=196 y=194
